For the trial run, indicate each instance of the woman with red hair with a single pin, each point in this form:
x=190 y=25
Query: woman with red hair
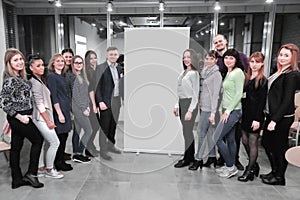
x=280 y=110
x=253 y=104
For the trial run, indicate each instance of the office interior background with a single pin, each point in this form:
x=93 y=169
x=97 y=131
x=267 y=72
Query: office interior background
x=44 y=27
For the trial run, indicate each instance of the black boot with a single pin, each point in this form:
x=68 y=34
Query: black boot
x=256 y=169
x=273 y=167
x=247 y=175
x=196 y=165
x=32 y=180
x=210 y=160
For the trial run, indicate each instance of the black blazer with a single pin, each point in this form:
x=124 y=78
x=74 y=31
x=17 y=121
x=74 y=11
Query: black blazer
x=281 y=95
x=105 y=84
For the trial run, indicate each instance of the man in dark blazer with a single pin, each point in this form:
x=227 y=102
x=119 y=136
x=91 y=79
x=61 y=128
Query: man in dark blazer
x=108 y=100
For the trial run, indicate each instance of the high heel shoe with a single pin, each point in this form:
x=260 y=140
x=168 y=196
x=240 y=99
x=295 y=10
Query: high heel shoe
x=210 y=160
x=32 y=180
x=196 y=165
x=247 y=175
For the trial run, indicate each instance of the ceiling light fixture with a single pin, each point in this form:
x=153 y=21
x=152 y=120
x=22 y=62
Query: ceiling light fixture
x=58 y=3
x=161 y=6
x=109 y=6
x=269 y=1
x=217 y=6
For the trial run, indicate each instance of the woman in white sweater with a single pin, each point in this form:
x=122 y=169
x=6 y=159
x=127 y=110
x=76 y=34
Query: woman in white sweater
x=186 y=109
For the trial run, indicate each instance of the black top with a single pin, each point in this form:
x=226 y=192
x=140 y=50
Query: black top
x=253 y=105
x=58 y=88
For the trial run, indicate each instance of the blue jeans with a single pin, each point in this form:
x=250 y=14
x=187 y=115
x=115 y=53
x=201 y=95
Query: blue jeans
x=227 y=131
x=205 y=129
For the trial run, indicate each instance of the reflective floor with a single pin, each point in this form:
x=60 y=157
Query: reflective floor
x=131 y=176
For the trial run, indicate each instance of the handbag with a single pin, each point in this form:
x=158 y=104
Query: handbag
x=6 y=133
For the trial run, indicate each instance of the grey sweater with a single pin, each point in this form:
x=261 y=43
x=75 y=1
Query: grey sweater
x=211 y=82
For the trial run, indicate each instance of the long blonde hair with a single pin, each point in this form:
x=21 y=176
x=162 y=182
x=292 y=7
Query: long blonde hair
x=295 y=56
x=51 y=63
x=8 y=71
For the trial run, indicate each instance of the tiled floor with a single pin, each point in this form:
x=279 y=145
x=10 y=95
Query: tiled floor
x=147 y=176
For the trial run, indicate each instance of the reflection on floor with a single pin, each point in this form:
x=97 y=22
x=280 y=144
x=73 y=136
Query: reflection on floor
x=147 y=176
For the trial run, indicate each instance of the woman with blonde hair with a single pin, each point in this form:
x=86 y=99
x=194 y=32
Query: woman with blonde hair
x=16 y=100
x=280 y=110
x=62 y=107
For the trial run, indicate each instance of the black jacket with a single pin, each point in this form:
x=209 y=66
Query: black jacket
x=281 y=95
x=105 y=84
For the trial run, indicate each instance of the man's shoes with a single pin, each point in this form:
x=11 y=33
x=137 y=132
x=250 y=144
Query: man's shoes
x=181 y=163
x=239 y=165
x=81 y=159
x=104 y=156
x=32 y=180
x=274 y=180
x=113 y=149
x=17 y=184
x=67 y=156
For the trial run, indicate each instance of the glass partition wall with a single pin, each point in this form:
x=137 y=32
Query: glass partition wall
x=248 y=28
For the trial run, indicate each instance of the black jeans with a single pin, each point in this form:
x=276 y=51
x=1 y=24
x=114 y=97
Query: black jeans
x=276 y=144
x=59 y=158
x=19 y=131
x=108 y=123
x=187 y=127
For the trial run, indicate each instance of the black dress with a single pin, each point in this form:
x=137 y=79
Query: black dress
x=58 y=88
x=253 y=104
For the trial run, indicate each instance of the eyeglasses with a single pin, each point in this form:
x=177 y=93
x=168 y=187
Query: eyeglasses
x=78 y=63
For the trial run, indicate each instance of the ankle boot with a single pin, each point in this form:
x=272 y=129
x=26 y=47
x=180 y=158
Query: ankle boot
x=196 y=165
x=256 y=169
x=210 y=160
x=247 y=175
x=32 y=180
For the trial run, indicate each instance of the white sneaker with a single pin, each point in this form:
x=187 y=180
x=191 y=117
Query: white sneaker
x=53 y=174
x=221 y=169
x=40 y=173
x=229 y=172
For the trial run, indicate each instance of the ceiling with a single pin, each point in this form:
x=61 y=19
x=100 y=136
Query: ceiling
x=197 y=21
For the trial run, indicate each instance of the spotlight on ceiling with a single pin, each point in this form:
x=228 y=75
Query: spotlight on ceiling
x=58 y=3
x=161 y=6
x=109 y=6
x=217 y=6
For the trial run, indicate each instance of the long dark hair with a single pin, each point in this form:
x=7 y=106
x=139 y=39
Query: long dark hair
x=194 y=60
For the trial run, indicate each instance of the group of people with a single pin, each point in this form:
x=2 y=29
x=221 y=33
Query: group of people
x=248 y=103
x=76 y=94
x=233 y=97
